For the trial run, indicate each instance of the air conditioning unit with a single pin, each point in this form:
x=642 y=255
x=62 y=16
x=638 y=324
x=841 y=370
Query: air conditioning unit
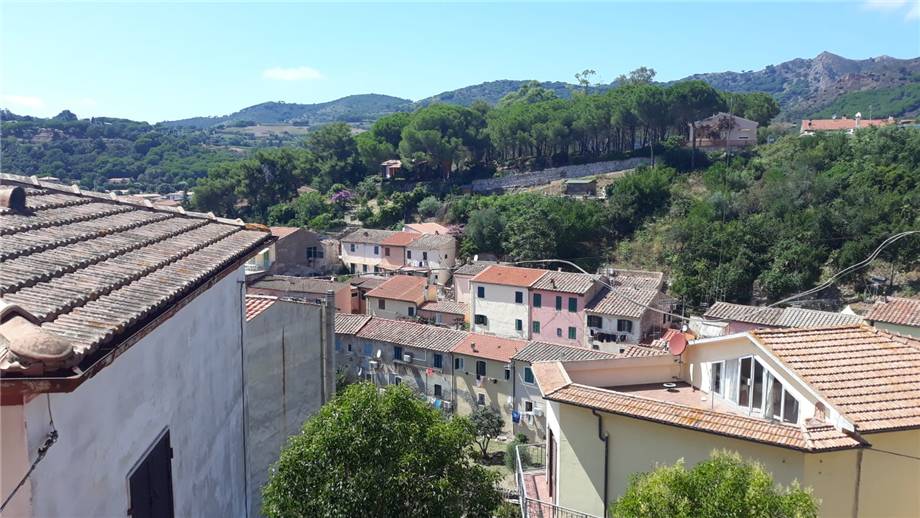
x=407 y=358
x=447 y=406
x=538 y=412
x=373 y=364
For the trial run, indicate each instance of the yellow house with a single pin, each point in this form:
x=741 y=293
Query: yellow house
x=484 y=374
x=836 y=409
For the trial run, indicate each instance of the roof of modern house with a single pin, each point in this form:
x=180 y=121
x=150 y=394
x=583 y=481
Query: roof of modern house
x=721 y=115
x=299 y=284
x=566 y=282
x=871 y=376
x=446 y=306
x=90 y=271
x=256 y=304
x=779 y=317
x=622 y=302
x=400 y=239
x=841 y=124
x=543 y=351
x=432 y=241
x=408 y=288
x=641 y=279
x=489 y=347
x=350 y=323
x=411 y=334
x=556 y=385
x=427 y=228
x=896 y=310
x=473 y=268
x=282 y=232
x=509 y=275
x=368 y=235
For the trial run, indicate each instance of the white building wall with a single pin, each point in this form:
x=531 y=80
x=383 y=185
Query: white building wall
x=532 y=426
x=184 y=376
x=394 y=308
x=363 y=254
x=440 y=260
x=500 y=310
x=609 y=326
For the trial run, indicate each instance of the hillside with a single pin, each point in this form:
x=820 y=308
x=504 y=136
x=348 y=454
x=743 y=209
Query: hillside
x=492 y=91
x=903 y=100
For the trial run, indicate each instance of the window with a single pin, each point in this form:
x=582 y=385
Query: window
x=624 y=326
x=573 y=334
x=519 y=297
x=518 y=324
x=776 y=399
x=558 y=331
x=376 y=269
x=481 y=399
x=349 y=347
x=397 y=352
x=411 y=311
x=352 y=247
x=151 y=483
x=437 y=390
x=338 y=347
x=744 y=383
x=386 y=251
x=573 y=304
x=528 y=375
x=507 y=373
x=757 y=387
x=364 y=267
x=481 y=292
x=537 y=300
x=717 y=378
x=311 y=252
x=408 y=254
x=424 y=256
x=320 y=254
x=558 y=303
x=480 y=320
x=790 y=408
x=376 y=250
x=438 y=318
x=536 y=327
x=368 y=350
x=480 y=368
x=438 y=361
x=528 y=406
x=458 y=364
x=397 y=380
x=381 y=303
x=595 y=321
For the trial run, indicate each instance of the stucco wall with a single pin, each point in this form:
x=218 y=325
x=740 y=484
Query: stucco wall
x=14 y=452
x=552 y=320
x=440 y=260
x=890 y=480
x=185 y=376
x=414 y=375
x=501 y=310
x=462 y=288
x=394 y=308
x=283 y=383
x=534 y=428
x=895 y=328
x=496 y=392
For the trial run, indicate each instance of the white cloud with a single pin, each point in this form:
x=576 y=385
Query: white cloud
x=292 y=74
x=28 y=102
x=912 y=11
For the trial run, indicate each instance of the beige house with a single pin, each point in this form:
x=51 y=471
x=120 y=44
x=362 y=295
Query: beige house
x=832 y=408
x=896 y=315
x=400 y=296
x=723 y=130
x=462 y=276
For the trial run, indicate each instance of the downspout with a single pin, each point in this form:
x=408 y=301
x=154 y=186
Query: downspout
x=859 y=459
x=605 y=438
x=246 y=470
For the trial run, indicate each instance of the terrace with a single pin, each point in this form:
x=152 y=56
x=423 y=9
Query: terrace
x=533 y=486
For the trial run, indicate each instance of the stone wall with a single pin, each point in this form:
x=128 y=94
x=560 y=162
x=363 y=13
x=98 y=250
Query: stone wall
x=555 y=173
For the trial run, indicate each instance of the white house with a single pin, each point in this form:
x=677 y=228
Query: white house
x=121 y=356
x=500 y=300
x=435 y=254
x=363 y=250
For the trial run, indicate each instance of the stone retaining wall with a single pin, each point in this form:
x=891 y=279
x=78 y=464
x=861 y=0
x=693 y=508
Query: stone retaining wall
x=555 y=173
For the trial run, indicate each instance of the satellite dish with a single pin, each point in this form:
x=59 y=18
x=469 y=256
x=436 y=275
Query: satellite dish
x=379 y=353
x=677 y=343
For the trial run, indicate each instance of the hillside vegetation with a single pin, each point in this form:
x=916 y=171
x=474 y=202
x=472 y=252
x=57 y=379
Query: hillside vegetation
x=904 y=99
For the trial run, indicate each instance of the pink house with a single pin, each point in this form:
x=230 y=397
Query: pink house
x=557 y=307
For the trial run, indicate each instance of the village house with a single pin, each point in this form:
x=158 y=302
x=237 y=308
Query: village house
x=400 y=296
x=394 y=250
x=390 y=168
x=448 y=313
x=297 y=251
x=620 y=312
x=500 y=300
x=833 y=408
x=725 y=318
x=427 y=228
x=841 y=125
x=724 y=130
x=373 y=251
x=310 y=289
x=114 y=317
x=287 y=354
x=362 y=250
x=484 y=375
x=364 y=284
x=896 y=315
x=433 y=255
x=557 y=306
x=462 y=276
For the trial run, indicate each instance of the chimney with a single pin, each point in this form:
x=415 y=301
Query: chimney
x=13 y=198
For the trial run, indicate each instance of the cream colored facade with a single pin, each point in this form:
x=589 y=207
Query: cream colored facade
x=501 y=311
x=898 y=329
x=529 y=403
x=440 y=260
x=392 y=308
x=496 y=387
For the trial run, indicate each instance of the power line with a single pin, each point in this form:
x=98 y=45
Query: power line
x=50 y=439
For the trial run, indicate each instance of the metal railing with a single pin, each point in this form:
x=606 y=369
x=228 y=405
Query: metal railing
x=530 y=462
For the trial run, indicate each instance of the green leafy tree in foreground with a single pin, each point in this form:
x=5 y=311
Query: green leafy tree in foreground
x=723 y=486
x=380 y=454
x=487 y=424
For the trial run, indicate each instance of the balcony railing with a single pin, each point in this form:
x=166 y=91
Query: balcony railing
x=533 y=488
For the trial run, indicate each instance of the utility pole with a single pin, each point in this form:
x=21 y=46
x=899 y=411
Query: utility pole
x=327 y=351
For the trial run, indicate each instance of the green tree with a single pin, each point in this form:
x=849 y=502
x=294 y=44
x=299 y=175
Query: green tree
x=692 y=101
x=484 y=230
x=487 y=424
x=367 y=453
x=725 y=485
x=530 y=92
x=429 y=207
x=336 y=155
x=531 y=234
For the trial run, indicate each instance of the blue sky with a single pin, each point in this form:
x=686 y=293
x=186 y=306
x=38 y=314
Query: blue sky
x=167 y=60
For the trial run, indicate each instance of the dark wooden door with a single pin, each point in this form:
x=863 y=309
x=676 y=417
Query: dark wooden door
x=151 y=483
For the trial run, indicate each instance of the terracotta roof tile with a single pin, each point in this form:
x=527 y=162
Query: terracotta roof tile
x=840 y=124
x=871 y=376
x=411 y=334
x=509 y=276
x=779 y=317
x=622 y=302
x=640 y=279
x=408 y=288
x=349 y=323
x=566 y=282
x=256 y=304
x=299 y=284
x=431 y=242
x=400 y=238
x=550 y=376
x=427 y=228
x=282 y=232
x=446 y=306
x=473 y=268
x=543 y=351
x=896 y=310
x=490 y=347
x=368 y=235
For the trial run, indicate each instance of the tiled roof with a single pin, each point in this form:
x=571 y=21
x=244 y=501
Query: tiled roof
x=432 y=241
x=641 y=279
x=93 y=270
x=446 y=306
x=641 y=351
x=489 y=347
x=411 y=334
x=427 y=228
x=871 y=376
x=256 y=304
x=822 y=438
x=896 y=310
x=509 y=275
x=301 y=284
x=473 y=268
x=543 y=351
x=367 y=282
x=566 y=282
x=779 y=317
x=408 y=288
x=368 y=235
x=840 y=124
x=622 y=302
x=349 y=323
x=282 y=232
x=400 y=238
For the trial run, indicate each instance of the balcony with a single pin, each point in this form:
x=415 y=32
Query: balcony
x=533 y=486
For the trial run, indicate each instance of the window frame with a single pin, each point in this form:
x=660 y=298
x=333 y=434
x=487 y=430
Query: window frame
x=458 y=364
x=537 y=300
x=484 y=368
x=535 y=327
x=438 y=361
x=518 y=324
x=573 y=333
x=397 y=352
x=528 y=373
x=573 y=305
x=598 y=319
x=558 y=302
x=518 y=297
x=480 y=292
